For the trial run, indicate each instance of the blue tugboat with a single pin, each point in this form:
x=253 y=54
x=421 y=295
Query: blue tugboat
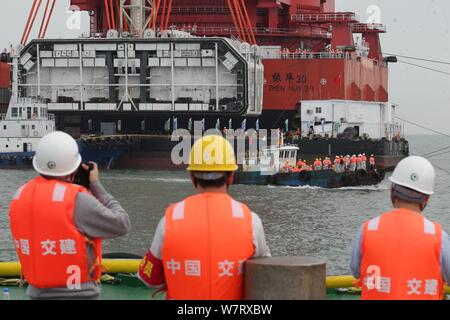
x=267 y=169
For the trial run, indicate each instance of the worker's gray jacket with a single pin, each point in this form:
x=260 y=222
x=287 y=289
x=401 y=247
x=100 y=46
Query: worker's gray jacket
x=99 y=216
x=355 y=264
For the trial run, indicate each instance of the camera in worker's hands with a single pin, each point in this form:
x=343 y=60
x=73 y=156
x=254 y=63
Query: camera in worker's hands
x=82 y=175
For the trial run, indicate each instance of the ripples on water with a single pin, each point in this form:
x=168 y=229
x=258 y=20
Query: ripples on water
x=297 y=221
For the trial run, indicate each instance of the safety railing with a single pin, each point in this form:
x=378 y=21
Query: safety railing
x=309 y=56
x=324 y=17
x=226 y=31
x=201 y=10
x=368 y=27
x=258 y=31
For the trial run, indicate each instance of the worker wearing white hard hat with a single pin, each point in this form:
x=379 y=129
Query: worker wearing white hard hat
x=68 y=221
x=401 y=255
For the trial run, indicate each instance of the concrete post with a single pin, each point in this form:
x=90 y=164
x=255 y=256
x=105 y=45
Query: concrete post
x=285 y=278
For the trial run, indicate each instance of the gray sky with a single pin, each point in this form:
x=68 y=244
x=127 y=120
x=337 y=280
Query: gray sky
x=419 y=28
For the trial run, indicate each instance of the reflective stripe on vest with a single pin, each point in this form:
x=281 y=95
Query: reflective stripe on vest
x=49 y=246
x=207 y=239
x=401 y=257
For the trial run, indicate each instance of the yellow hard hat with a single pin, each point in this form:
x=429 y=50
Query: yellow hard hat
x=212 y=153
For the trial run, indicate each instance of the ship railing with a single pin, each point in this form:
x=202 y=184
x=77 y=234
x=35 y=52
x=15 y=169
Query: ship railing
x=368 y=27
x=207 y=10
x=325 y=17
x=228 y=31
x=310 y=56
x=256 y=31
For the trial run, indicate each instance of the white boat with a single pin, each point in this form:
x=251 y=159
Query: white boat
x=21 y=128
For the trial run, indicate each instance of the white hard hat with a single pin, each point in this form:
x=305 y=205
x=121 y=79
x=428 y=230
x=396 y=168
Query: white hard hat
x=57 y=155
x=416 y=173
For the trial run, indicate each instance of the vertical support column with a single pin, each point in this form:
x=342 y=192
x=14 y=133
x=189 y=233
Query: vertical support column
x=342 y=35
x=217 y=76
x=144 y=76
x=273 y=18
x=15 y=80
x=80 y=53
x=172 y=75
x=373 y=39
x=38 y=69
x=126 y=74
x=112 y=80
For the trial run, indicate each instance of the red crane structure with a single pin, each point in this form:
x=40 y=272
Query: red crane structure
x=294 y=26
x=291 y=24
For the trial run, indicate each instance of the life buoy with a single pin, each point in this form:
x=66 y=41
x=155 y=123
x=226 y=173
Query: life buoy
x=35 y=133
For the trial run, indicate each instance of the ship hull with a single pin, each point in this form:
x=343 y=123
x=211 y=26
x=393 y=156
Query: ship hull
x=154 y=152
x=327 y=179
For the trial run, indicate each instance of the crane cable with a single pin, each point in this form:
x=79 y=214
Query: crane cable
x=419 y=59
x=433 y=152
x=426 y=68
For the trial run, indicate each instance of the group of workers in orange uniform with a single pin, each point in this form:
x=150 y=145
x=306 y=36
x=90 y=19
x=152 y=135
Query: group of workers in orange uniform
x=339 y=165
x=202 y=242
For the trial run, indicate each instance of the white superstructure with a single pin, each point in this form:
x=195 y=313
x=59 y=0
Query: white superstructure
x=25 y=123
x=373 y=120
x=166 y=74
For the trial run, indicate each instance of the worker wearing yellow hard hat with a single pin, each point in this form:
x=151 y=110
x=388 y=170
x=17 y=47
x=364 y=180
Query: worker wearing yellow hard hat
x=202 y=242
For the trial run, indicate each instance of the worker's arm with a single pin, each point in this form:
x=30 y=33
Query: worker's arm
x=99 y=215
x=259 y=238
x=355 y=263
x=151 y=270
x=445 y=257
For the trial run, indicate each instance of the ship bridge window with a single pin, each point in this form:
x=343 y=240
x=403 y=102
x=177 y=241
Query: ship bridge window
x=14 y=113
x=28 y=113
x=318 y=110
x=35 y=112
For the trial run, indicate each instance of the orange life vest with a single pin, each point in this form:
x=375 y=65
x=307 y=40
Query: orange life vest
x=401 y=253
x=364 y=158
x=208 y=237
x=49 y=246
x=353 y=160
